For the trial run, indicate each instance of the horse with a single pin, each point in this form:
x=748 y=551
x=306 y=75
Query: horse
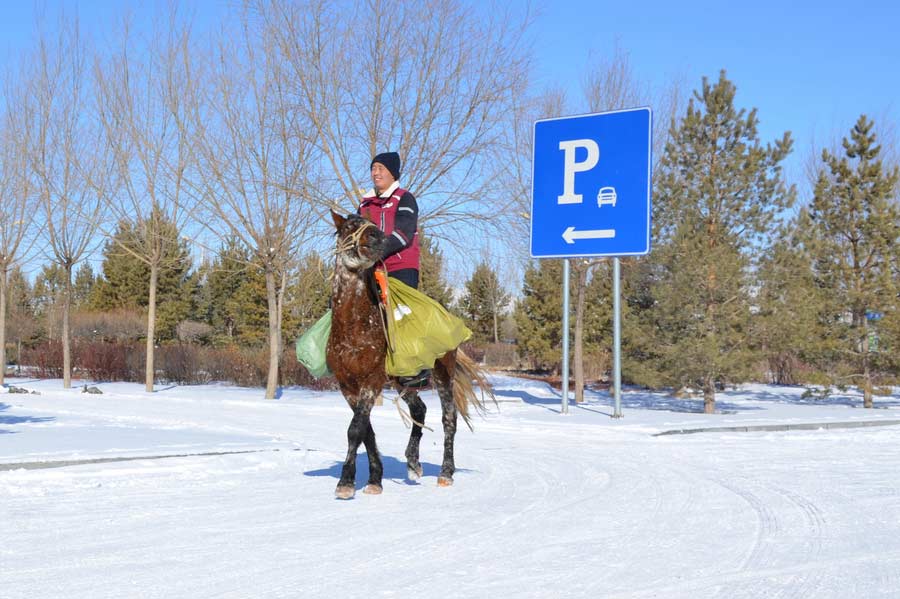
x=356 y=353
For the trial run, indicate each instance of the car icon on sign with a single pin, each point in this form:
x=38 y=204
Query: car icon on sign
x=606 y=197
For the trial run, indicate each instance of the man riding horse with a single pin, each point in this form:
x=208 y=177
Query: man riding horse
x=395 y=211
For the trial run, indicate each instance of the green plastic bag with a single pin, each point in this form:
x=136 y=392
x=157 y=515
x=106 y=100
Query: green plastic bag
x=312 y=345
x=420 y=330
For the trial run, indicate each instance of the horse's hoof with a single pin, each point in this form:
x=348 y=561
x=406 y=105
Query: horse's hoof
x=372 y=489
x=344 y=492
x=445 y=481
x=414 y=474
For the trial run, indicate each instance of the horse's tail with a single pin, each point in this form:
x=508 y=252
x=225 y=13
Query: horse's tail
x=466 y=376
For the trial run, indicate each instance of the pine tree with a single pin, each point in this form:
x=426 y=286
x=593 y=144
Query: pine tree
x=309 y=294
x=788 y=326
x=225 y=276
x=719 y=194
x=432 y=281
x=20 y=322
x=125 y=280
x=856 y=229
x=83 y=286
x=237 y=304
x=49 y=285
x=483 y=304
x=598 y=314
x=538 y=315
x=48 y=294
x=643 y=360
x=249 y=308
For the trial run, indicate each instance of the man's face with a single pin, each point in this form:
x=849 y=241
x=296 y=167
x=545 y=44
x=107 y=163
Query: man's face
x=381 y=177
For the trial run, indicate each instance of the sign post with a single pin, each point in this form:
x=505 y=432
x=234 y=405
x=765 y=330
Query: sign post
x=591 y=198
x=565 y=339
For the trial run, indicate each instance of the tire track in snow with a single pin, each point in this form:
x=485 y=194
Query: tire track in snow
x=756 y=580
x=777 y=528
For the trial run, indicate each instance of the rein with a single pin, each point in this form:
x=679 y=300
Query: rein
x=406 y=417
x=352 y=242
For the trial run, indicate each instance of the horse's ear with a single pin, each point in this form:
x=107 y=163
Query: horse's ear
x=338 y=219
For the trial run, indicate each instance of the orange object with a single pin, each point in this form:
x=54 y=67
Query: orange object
x=381 y=279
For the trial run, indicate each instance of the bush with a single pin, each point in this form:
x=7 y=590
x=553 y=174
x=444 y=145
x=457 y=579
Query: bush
x=597 y=365
x=501 y=355
x=182 y=364
x=101 y=361
x=115 y=326
x=474 y=351
x=293 y=373
x=45 y=359
x=189 y=331
x=242 y=367
x=185 y=364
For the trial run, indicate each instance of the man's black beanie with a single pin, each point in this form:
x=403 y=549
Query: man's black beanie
x=391 y=161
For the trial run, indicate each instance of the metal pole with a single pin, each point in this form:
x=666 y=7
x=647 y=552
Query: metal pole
x=617 y=342
x=565 y=338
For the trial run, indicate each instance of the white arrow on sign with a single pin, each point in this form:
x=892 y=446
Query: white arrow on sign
x=570 y=234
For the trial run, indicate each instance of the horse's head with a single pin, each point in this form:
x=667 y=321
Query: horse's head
x=360 y=244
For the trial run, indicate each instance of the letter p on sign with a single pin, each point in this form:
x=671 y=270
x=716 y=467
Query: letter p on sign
x=571 y=167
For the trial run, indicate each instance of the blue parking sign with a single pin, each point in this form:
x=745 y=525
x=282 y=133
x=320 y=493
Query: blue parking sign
x=591 y=185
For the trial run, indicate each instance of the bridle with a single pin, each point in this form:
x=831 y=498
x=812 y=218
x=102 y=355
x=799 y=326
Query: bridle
x=352 y=241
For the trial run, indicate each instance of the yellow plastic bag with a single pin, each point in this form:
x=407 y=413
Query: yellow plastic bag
x=420 y=330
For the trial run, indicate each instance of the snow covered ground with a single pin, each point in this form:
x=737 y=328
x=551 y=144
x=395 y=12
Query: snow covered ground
x=544 y=505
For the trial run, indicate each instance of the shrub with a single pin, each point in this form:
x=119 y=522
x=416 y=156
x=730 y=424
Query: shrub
x=597 y=365
x=181 y=363
x=474 y=351
x=501 y=355
x=235 y=365
x=185 y=364
x=116 y=326
x=293 y=373
x=45 y=359
x=102 y=361
x=189 y=331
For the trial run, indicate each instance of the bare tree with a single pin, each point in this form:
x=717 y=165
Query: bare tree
x=64 y=150
x=513 y=173
x=17 y=200
x=255 y=162
x=145 y=95
x=427 y=79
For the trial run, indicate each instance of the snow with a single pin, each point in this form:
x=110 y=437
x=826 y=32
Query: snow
x=544 y=504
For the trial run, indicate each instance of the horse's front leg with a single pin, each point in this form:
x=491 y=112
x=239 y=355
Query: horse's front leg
x=376 y=469
x=417 y=411
x=356 y=435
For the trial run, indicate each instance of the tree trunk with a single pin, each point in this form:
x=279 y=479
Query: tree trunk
x=274 y=335
x=66 y=338
x=2 y=326
x=578 y=356
x=867 y=373
x=151 y=329
x=709 y=396
x=281 y=289
x=494 y=311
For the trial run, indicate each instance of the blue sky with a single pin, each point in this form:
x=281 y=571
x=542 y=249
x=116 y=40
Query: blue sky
x=809 y=67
